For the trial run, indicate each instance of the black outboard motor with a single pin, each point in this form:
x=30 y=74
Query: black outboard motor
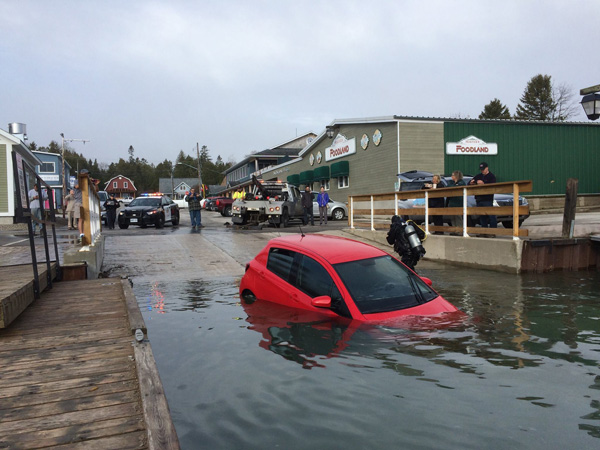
x=406 y=239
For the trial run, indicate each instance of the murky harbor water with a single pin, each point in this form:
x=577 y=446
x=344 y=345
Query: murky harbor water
x=521 y=372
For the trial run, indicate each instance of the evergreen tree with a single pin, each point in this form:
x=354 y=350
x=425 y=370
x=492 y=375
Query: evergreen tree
x=537 y=102
x=495 y=110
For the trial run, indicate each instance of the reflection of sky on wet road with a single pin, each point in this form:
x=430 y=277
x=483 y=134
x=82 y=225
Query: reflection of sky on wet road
x=522 y=372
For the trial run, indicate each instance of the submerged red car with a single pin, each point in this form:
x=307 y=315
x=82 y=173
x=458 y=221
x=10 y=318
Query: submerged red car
x=339 y=277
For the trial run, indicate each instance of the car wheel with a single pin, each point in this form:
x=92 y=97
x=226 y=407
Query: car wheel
x=338 y=214
x=175 y=221
x=471 y=222
x=123 y=226
x=227 y=211
x=285 y=218
x=507 y=223
x=248 y=297
x=161 y=221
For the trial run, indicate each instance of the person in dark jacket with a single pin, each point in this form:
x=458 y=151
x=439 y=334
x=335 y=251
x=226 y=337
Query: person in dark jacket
x=111 y=205
x=485 y=177
x=193 y=199
x=307 y=206
x=438 y=220
x=456 y=202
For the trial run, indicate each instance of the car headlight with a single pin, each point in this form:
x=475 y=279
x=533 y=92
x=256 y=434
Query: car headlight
x=121 y=213
x=151 y=212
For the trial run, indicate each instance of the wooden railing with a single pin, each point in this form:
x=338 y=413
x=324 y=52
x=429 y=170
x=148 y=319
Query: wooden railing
x=91 y=211
x=373 y=210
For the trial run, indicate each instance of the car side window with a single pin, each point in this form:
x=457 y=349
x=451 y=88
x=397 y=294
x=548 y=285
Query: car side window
x=314 y=281
x=280 y=262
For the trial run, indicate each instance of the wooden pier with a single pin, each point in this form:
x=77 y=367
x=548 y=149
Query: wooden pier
x=73 y=375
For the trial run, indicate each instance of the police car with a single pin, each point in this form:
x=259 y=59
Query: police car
x=149 y=209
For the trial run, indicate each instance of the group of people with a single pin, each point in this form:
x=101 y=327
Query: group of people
x=307 y=206
x=74 y=202
x=484 y=177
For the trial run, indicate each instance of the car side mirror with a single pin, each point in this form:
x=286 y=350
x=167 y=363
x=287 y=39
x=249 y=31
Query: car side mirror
x=324 y=301
x=427 y=281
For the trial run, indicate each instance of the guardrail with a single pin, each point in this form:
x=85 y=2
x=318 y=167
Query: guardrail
x=25 y=177
x=373 y=210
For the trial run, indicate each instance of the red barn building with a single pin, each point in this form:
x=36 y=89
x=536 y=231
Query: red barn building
x=121 y=186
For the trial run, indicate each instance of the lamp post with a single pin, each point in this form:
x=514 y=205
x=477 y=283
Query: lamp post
x=591 y=101
x=199 y=175
x=64 y=182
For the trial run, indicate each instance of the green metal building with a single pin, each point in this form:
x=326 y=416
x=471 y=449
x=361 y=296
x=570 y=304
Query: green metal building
x=363 y=156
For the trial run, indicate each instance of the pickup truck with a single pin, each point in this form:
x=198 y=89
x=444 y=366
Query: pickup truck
x=275 y=202
x=223 y=205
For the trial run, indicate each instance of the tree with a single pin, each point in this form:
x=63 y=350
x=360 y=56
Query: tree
x=495 y=110
x=537 y=102
x=566 y=106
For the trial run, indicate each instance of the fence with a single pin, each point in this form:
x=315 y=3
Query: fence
x=91 y=211
x=373 y=210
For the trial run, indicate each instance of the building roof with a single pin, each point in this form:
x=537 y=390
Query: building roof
x=268 y=153
x=23 y=150
x=58 y=155
x=120 y=176
x=164 y=184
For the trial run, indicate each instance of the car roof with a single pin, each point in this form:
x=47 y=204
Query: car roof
x=334 y=249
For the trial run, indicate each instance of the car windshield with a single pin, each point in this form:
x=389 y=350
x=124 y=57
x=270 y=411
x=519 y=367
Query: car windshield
x=383 y=284
x=145 y=201
x=102 y=196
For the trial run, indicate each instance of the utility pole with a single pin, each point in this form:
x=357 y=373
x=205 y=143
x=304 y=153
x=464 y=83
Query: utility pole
x=199 y=170
x=64 y=182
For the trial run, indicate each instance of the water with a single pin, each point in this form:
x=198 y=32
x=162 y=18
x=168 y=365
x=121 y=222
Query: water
x=522 y=371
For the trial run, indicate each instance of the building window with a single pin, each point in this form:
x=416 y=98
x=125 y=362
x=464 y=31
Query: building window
x=325 y=184
x=343 y=182
x=125 y=185
x=47 y=167
x=114 y=184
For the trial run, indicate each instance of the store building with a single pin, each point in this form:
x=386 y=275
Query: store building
x=240 y=174
x=50 y=170
x=12 y=142
x=362 y=156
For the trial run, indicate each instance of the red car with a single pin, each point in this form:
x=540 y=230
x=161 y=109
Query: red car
x=339 y=277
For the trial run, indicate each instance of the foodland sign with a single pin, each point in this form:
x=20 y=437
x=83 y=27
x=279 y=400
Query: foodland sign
x=341 y=147
x=471 y=146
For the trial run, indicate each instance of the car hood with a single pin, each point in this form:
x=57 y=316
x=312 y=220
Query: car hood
x=413 y=175
x=139 y=208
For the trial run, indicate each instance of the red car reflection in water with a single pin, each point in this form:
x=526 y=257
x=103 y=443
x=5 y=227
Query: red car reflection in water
x=340 y=278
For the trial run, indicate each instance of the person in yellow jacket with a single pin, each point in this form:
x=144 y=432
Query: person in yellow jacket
x=239 y=194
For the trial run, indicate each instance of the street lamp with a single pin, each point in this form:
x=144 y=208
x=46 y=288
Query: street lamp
x=331 y=130
x=591 y=102
x=199 y=174
x=64 y=182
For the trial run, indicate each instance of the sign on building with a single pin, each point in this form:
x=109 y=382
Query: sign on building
x=341 y=147
x=471 y=146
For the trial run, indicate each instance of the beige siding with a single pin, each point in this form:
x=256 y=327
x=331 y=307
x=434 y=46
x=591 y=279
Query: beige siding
x=375 y=169
x=4 y=180
x=422 y=147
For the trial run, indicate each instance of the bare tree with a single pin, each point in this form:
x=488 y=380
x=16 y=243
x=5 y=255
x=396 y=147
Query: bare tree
x=566 y=107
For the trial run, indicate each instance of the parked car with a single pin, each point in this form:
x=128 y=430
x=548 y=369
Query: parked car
x=223 y=205
x=149 y=209
x=414 y=180
x=338 y=277
x=335 y=210
x=211 y=203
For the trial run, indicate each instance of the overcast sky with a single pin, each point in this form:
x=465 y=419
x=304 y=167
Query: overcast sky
x=245 y=75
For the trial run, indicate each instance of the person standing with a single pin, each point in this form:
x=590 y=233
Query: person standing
x=456 y=202
x=193 y=199
x=111 y=205
x=77 y=206
x=438 y=220
x=70 y=202
x=34 y=205
x=322 y=200
x=485 y=177
x=238 y=194
x=307 y=206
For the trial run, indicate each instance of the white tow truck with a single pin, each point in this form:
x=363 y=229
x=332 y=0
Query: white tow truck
x=275 y=202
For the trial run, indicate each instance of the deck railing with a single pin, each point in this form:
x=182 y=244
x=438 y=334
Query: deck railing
x=91 y=211
x=374 y=211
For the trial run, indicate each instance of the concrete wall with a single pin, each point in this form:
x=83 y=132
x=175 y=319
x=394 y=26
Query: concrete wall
x=92 y=255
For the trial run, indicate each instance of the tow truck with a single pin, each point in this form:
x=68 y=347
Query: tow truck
x=275 y=202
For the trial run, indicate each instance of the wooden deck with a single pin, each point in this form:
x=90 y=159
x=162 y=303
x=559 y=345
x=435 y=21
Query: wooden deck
x=17 y=291
x=69 y=373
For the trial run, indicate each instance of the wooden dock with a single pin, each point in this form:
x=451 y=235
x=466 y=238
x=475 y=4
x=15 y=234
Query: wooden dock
x=73 y=375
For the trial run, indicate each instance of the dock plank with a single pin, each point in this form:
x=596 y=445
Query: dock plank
x=72 y=375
